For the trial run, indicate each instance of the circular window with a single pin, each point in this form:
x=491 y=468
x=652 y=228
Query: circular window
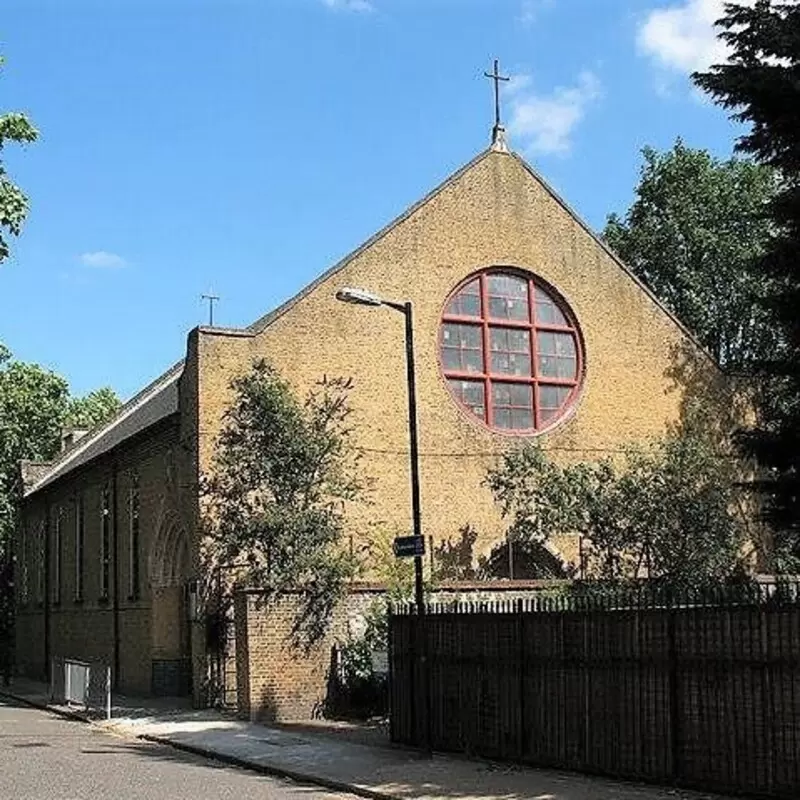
x=510 y=351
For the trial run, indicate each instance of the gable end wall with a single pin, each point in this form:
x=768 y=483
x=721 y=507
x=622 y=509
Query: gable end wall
x=494 y=213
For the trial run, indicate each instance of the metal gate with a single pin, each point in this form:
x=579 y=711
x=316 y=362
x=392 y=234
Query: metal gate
x=221 y=648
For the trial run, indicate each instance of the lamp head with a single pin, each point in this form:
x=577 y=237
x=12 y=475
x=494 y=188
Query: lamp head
x=359 y=297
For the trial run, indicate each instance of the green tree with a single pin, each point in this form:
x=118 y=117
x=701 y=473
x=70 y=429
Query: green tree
x=691 y=235
x=666 y=511
x=760 y=84
x=282 y=473
x=92 y=409
x=31 y=400
x=35 y=406
x=17 y=128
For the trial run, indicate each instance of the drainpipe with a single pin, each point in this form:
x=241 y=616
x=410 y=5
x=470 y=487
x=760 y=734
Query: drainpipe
x=12 y=572
x=115 y=575
x=46 y=590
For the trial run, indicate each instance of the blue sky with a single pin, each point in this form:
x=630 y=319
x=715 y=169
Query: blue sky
x=246 y=145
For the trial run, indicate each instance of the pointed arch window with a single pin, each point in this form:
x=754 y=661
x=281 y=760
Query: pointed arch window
x=105 y=542
x=80 y=531
x=41 y=561
x=58 y=528
x=133 y=537
x=24 y=555
x=511 y=351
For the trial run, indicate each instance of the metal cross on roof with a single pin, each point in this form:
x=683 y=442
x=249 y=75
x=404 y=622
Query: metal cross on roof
x=497 y=78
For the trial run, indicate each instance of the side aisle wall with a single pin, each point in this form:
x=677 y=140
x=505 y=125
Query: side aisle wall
x=81 y=611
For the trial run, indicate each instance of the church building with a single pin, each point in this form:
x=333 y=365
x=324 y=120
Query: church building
x=526 y=327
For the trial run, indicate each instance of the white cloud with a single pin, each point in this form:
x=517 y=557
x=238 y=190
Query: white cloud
x=544 y=123
x=102 y=259
x=682 y=37
x=349 y=5
x=530 y=10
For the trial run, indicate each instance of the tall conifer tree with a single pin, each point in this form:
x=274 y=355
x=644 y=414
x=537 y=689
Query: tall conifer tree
x=760 y=83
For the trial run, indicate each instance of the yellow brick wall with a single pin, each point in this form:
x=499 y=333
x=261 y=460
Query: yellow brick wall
x=275 y=680
x=495 y=213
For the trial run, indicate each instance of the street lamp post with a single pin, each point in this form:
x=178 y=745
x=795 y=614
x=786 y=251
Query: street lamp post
x=364 y=298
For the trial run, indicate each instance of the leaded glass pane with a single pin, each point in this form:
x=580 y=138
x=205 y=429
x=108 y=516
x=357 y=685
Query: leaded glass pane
x=554 y=367
x=510 y=351
x=547 y=367
x=451 y=359
x=522 y=419
x=502 y=418
x=547 y=312
x=521 y=394
x=467 y=303
x=555 y=344
x=516 y=395
x=462 y=347
x=471 y=394
x=567 y=368
x=557 y=357
x=508 y=297
x=551 y=398
x=513 y=406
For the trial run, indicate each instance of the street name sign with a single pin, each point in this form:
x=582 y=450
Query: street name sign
x=409 y=546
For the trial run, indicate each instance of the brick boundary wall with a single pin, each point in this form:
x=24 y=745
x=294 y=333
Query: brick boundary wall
x=277 y=682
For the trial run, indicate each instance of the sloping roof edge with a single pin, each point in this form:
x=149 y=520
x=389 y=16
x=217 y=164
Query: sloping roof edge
x=263 y=322
x=148 y=393
x=617 y=260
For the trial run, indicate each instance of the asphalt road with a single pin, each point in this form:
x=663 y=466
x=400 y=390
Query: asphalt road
x=44 y=757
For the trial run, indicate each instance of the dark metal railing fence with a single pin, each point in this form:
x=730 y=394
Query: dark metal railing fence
x=699 y=688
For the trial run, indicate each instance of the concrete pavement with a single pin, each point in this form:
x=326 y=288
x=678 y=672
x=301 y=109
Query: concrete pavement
x=341 y=764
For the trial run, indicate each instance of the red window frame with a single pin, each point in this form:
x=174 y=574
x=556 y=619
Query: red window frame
x=533 y=327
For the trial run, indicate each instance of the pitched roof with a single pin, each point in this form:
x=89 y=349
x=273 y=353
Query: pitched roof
x=33 y=471
x=160 y=398
x=153 y=403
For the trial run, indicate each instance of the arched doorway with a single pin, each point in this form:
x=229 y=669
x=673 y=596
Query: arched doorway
x=524 y=561
x=169 y=616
